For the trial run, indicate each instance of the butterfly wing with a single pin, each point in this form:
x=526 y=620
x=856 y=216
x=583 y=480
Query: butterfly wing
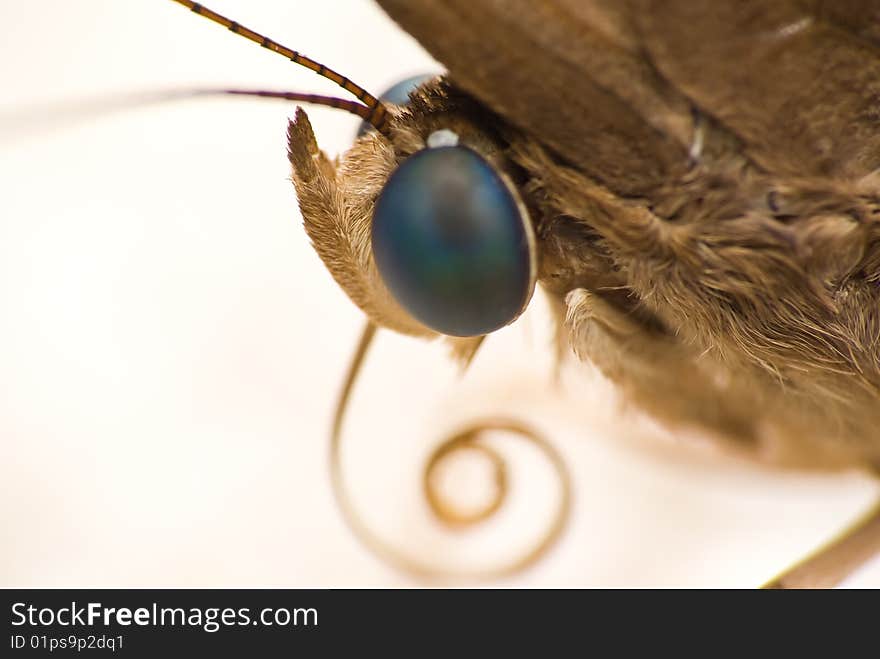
x=798 y=82
x=612 y=86
x=565 y=71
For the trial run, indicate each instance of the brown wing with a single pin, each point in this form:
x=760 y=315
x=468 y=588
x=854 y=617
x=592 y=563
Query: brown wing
x=563 y=70
x=610 y=85
x=799 y=82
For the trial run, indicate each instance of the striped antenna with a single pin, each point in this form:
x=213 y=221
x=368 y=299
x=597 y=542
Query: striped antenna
x=374 y=112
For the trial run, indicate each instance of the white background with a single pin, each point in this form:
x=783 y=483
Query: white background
x=171 y=347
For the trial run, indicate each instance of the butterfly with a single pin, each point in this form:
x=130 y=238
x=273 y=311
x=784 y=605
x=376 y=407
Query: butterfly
x=695 y=185
x=607 y=147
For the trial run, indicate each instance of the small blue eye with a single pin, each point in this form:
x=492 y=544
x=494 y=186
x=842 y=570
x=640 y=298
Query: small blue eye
x=398 y=94
x=451 y=243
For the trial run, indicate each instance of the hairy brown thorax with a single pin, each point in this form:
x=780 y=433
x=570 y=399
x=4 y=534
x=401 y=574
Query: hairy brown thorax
x=728 y=311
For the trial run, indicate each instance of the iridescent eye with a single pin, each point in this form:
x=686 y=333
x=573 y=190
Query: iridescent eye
x=398 y=94
x=452 y=243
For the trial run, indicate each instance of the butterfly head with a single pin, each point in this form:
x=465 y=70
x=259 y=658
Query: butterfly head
x=422 y=226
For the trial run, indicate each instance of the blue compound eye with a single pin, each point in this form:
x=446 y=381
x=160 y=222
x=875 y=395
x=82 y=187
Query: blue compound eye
x=452 y=244
x=398 y=95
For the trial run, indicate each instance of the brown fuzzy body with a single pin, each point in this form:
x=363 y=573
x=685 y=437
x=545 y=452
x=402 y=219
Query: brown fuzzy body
x=755 y=324
x=732 y=289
